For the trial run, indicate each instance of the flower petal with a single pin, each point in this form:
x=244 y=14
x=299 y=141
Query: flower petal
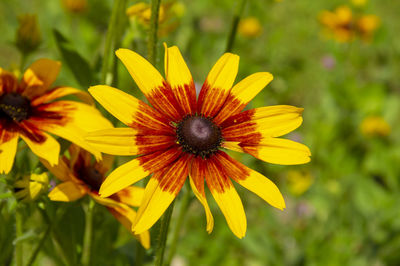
x=126 y=141
x=150 y=82
x=8 y=149
x=61 y=170
x=49 y=149
x=67 y=191
x=159 y=193
x=132 y=196
x=129 y=110
x=226 y=197
x=252 y=180
x=197 y=176
x=180 y=79
x=61 y=92
x=280 y=151
x=137 y=169
x=252 y=126
x=218 y=83
x=39 y=76
x=242 y=93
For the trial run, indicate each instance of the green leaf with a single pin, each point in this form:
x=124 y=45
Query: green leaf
x=79 y=67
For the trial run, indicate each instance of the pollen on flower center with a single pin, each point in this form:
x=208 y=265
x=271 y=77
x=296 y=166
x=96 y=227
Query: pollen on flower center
x=14 y=106
x=199 y=135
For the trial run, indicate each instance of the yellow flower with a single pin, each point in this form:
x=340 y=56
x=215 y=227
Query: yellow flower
x=30 y=187
x=28 y=110
x=359 y=3
x=75 y=6
x=81 y=176
x=28 y=36
x=343 y=26
x=167 y=18
x=375 y=126
x=182 y=135
x=299 y=181
x=338 y=24
x=250 y=27
x=367 y=25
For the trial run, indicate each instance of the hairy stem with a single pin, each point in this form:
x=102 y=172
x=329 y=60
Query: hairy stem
x=162 y=242
x=87 y=237
x=234 y=26
x=152 y=41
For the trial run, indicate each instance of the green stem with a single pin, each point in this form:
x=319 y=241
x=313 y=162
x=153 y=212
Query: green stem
x=152 y=42
x=111 y=33
x=162 y=242
x=234 y=26
x=182 y=211
x=18 y=233
x=24 y=56
x=39 y=245
x=139 y=254
x=87 y=237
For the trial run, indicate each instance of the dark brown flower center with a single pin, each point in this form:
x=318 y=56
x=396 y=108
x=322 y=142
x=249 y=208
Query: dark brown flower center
x=199 y=135
x=14 y=106
x=92 y=178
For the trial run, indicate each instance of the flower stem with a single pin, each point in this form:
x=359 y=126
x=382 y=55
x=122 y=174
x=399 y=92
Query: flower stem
x=87 y=237
x=234 y=26
x=139 y=254
x=118 y=11
x=182 y=211
x=18 y=233
x=152 y=41
x=162 y=241
x=39 y=245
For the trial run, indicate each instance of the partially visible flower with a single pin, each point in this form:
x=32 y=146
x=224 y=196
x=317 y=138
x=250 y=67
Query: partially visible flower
x=328 y=62
x=367 y=25
x=30 y=187
x=75 y=6
x=80 y=176
x=28 y=110
x=168 y=17
x=338 y=24
x=373 y=126
x=250 y=27
x=299 y=181
x=28 y=37
x=343 y=26
x=181 y=137
x=359 y=3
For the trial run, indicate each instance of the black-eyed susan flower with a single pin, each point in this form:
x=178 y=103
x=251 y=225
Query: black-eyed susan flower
x=80 y=176
x=342 y=25
x=30 y=187
x=373 y=126
x=250 y=27
x=28 y=110
x=183 y=136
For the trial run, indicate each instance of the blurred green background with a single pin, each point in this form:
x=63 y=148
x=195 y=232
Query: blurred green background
x=342 y=207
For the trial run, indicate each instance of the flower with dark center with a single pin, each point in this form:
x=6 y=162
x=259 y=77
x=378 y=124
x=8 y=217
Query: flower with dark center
x=82 y=176
x=31 y=109
x=184 y=136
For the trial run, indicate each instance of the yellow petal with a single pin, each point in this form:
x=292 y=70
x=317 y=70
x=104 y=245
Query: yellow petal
x=203 y=200
x=67 y=191
x=180 y=79
x=154 y=204
x=228 y=200
x=242 y=93
x=8 y=150
x=88 y=117
x=218 y=84
x=280 y=151
x=132 y=195
x=61 y=170
x=48 y=150
x=123 y=176
x=128 y=109
x=61 y=92
x=116 y=141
